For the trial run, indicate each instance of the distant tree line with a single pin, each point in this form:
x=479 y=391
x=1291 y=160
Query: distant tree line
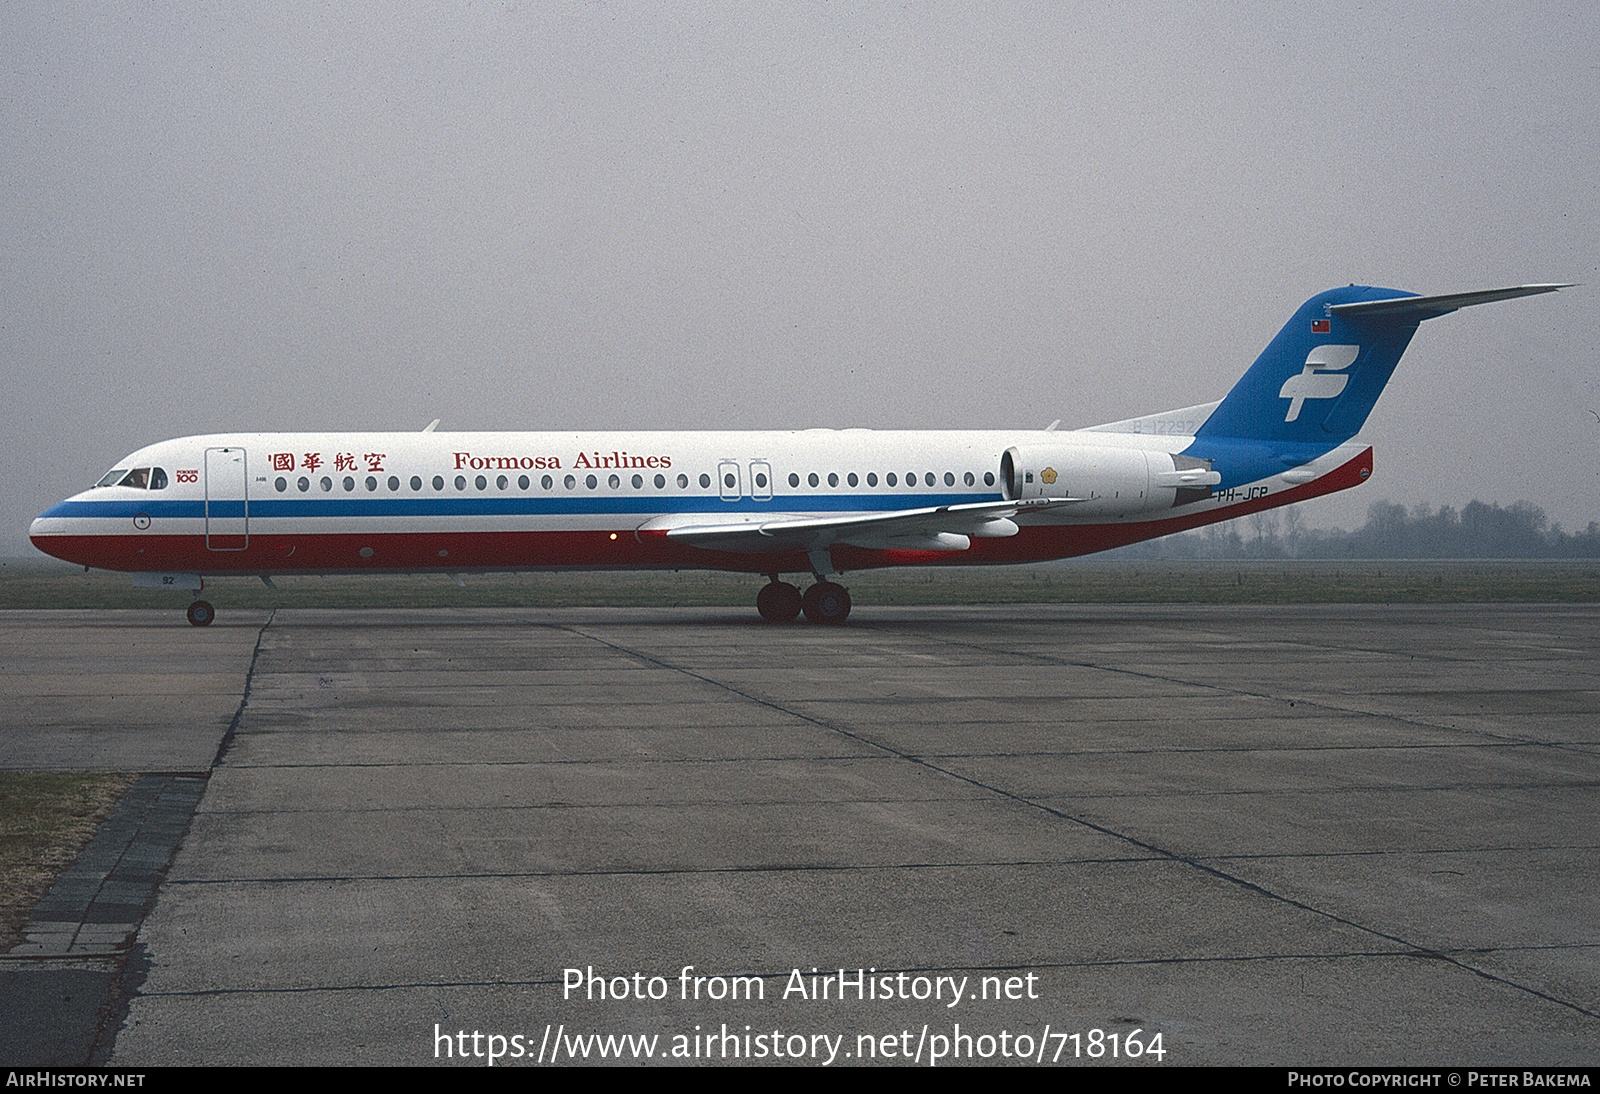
x=1478 y=530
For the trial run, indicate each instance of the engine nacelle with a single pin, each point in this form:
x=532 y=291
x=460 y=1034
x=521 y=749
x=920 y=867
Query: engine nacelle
x=1105 y=480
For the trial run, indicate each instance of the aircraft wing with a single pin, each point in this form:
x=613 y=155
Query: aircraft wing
x=938 y=528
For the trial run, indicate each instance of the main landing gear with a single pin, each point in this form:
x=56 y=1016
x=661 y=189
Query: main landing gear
x=779 y=601
x=201 y=613
x=824 y=602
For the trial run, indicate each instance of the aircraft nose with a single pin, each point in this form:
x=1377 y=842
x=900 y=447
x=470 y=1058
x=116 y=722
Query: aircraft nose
x=45 y=533
x=36 y=533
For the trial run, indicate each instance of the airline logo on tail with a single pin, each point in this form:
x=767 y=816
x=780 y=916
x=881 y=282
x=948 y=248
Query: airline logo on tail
x=1322 y=377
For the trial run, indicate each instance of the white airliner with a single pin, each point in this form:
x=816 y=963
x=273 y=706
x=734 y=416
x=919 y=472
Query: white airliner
x=816 y=501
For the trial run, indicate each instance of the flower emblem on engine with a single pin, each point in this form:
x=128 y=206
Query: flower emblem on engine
x=1048 y=475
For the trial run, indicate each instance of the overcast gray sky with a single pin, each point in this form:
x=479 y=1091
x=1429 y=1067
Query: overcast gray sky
x=728 y=216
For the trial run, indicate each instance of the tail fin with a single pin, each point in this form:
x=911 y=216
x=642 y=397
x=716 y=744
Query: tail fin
x=1317 y=381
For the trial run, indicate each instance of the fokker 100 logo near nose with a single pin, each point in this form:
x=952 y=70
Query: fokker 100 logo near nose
x=1320 y=379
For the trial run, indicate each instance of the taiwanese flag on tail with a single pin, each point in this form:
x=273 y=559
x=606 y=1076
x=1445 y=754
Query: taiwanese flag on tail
x=1319 y=326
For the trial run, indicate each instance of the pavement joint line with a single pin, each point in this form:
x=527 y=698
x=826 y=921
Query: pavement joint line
x=733 y=803
x=1328 y=791
x=857 y=757
x=244 y=696
x=852 y=757
x=1220 y=874
x=682 y=871
x=821 y=868
x=1414 y=851
x=1324 y=703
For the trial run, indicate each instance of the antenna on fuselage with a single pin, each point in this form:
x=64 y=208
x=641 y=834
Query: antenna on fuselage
x=431 y=426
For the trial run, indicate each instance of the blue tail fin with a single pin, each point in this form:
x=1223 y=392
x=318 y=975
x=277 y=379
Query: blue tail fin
x=1317 y=381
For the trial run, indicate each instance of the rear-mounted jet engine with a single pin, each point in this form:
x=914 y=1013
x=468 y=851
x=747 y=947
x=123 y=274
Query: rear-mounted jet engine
x=1104 y=480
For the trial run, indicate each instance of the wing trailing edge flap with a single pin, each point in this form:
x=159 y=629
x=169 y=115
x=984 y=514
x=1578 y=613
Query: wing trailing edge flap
x=939 y=528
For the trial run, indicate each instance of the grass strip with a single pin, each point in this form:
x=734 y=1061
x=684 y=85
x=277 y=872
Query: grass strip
x=45 y=821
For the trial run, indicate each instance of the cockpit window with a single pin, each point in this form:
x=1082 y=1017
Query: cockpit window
x=140 y=478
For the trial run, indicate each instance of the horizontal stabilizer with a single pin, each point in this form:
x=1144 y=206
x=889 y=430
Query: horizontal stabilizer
x=1427 y=307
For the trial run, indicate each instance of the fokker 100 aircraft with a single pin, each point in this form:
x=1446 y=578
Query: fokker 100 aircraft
x=816 y=501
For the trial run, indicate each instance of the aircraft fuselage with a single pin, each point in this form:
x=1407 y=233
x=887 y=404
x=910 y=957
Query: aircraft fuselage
x=819 y=500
